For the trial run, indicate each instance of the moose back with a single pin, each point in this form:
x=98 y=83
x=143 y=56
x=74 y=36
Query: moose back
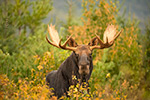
x=79 y=63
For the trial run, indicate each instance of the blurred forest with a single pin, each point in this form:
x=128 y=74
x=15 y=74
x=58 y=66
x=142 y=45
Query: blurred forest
x=120 y=72
x=139 y=9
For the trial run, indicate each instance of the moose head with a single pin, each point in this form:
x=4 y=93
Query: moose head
x=80 y=62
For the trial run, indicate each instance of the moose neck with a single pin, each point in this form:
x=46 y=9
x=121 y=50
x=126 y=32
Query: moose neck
x=75 y=67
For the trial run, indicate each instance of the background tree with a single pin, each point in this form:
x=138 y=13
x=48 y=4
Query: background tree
x=20 y=34
x=20 y=17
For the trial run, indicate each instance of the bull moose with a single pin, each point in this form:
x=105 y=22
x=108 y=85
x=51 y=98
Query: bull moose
x=80 y=62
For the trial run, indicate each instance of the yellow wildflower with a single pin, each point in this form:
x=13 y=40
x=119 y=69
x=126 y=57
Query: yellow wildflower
x=40 y=67
x=108 y=75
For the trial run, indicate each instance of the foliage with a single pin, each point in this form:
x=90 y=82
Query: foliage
x=34 y=87
x=128 y=48
x=146 y=44
x=19 y=64
x=26 y=58
x=24 y=89
x=17 y=44
x=20 y=17
x=146 y=59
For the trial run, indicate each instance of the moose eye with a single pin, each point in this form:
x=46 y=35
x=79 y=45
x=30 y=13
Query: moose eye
x=90 y=55
x=77 y=55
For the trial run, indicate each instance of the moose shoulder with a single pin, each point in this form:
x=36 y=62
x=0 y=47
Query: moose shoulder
x=79 y=63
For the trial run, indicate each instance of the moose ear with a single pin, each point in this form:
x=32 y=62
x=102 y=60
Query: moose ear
x=72 y=43
x=93 y=42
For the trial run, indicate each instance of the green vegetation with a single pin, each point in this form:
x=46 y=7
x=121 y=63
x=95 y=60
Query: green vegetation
x=120 y=72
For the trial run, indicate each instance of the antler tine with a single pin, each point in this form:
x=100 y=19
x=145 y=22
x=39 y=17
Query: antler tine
x=118 y=34
x=100 y=41
x=64 y=45
x=66 y=42
x=101 y=46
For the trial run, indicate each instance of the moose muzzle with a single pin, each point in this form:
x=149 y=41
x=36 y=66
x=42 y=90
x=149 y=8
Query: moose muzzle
x=84 y=65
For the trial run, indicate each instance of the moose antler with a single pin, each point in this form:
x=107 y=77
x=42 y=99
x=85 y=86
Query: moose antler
x=55 y=39
x=53 y=35
x=109 y=37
